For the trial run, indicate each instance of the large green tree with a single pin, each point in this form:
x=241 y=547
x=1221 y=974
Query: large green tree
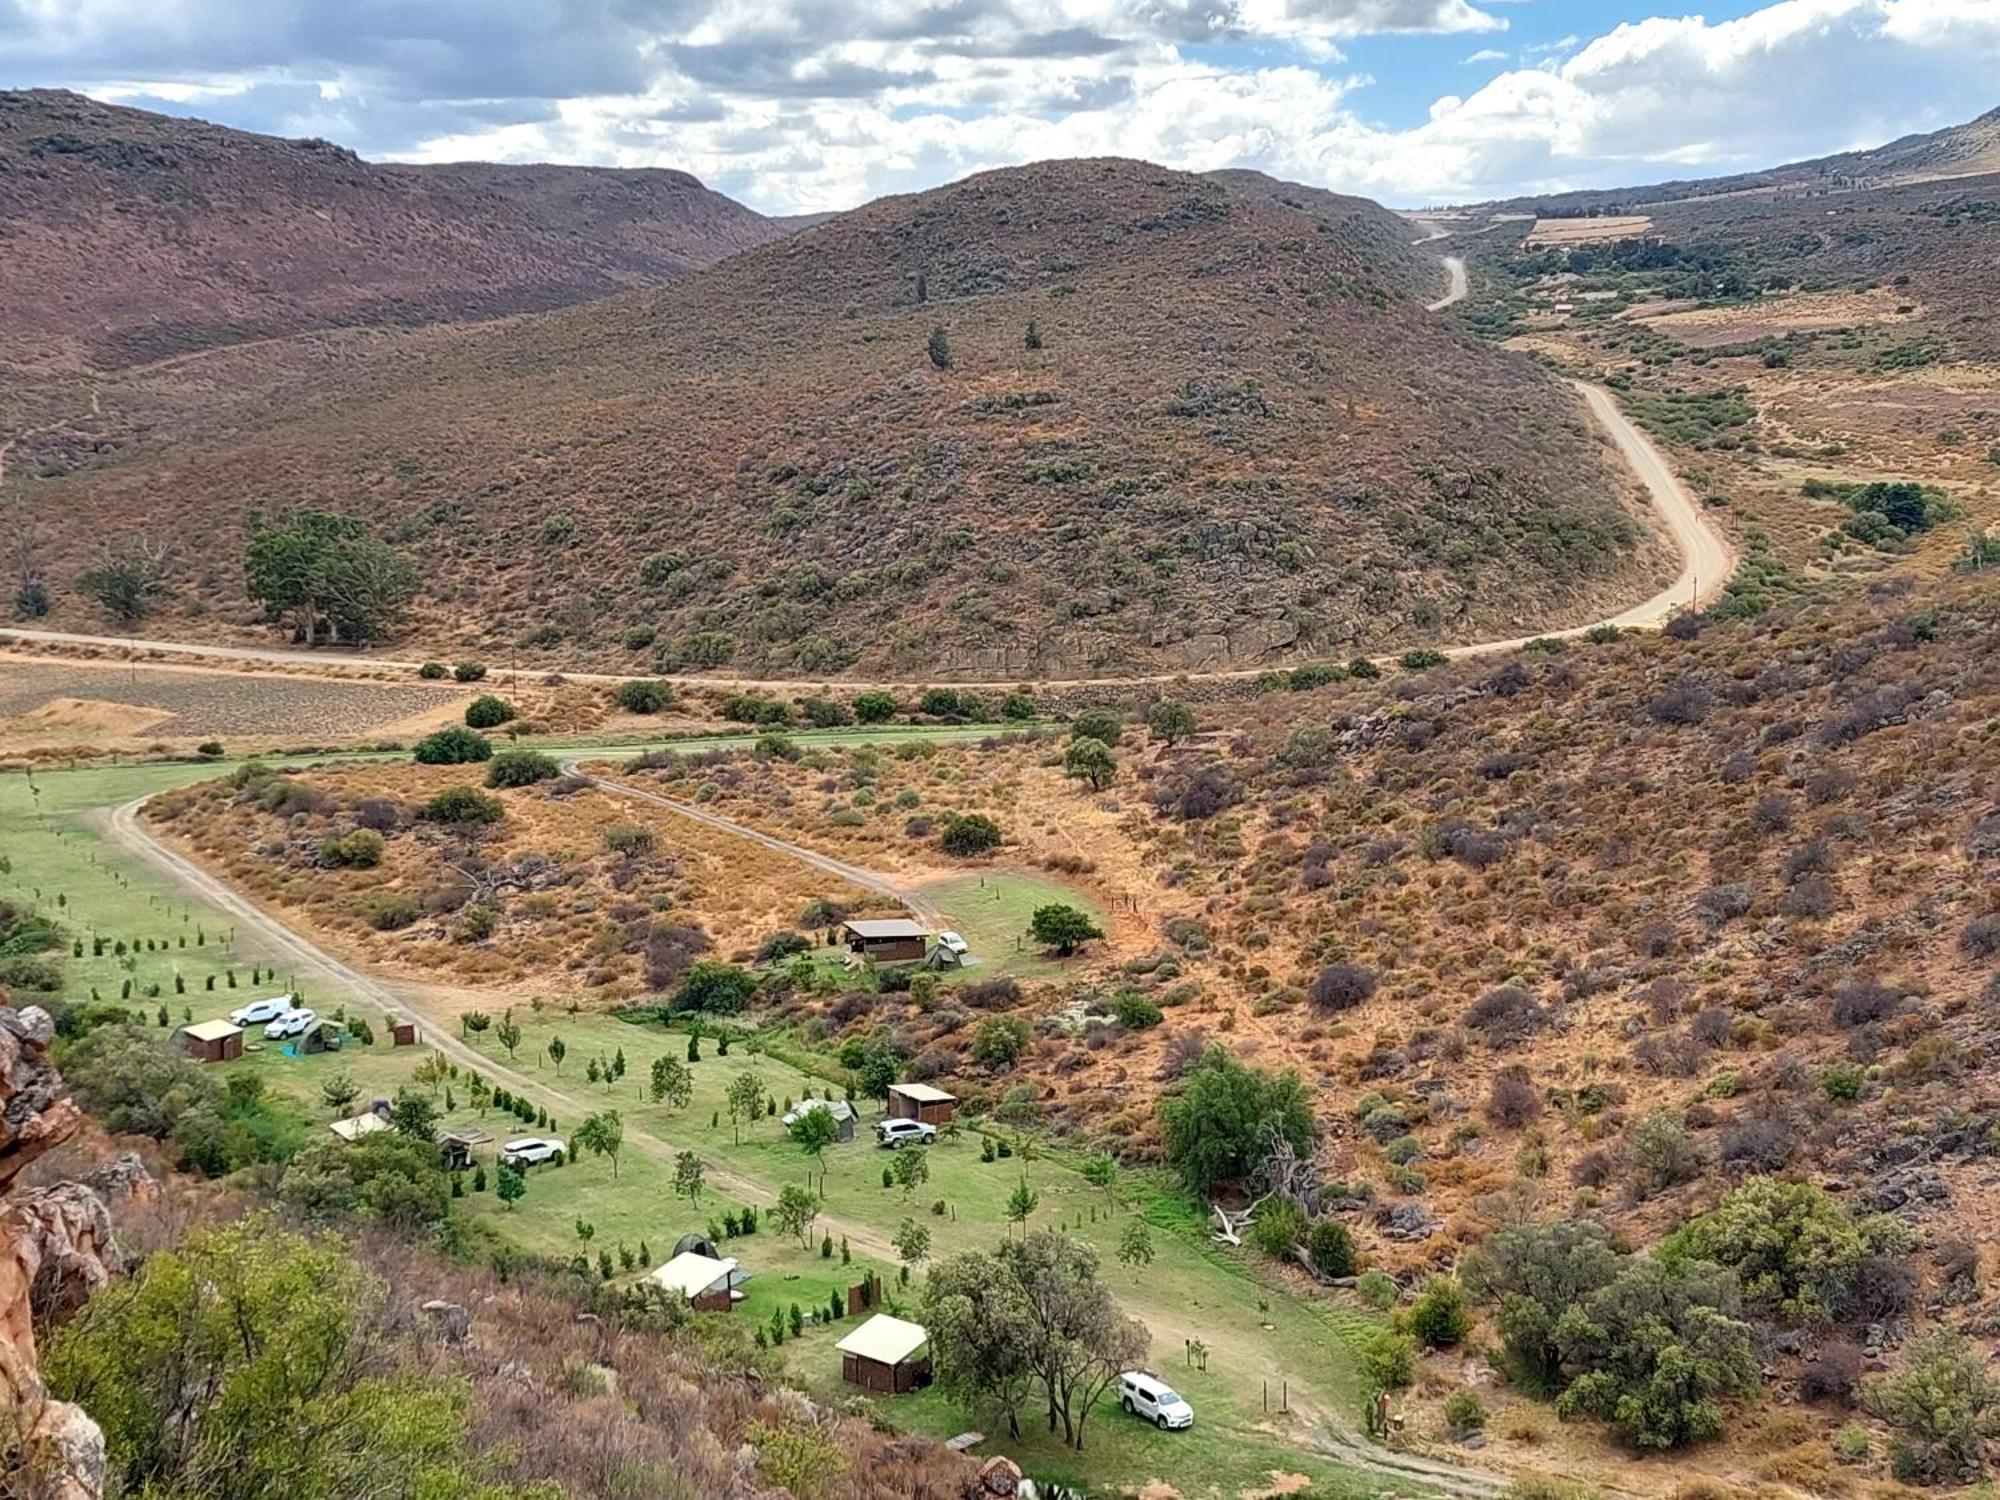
x=324 y=573
x=1227 y=1117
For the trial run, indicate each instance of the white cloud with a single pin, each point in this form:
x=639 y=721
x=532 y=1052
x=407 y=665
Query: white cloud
x=817 y=104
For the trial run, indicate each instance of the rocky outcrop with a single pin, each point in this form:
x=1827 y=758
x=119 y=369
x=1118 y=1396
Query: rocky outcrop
x=55 y=1251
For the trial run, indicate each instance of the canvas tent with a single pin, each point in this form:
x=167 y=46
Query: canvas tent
x=840 y=1109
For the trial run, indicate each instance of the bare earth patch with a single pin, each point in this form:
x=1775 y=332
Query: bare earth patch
x=1716 y=327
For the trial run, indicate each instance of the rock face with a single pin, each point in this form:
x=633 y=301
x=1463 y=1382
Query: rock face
x=55 y=1250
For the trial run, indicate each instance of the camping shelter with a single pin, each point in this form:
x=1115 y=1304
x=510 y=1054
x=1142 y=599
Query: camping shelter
x=886 y=1354
x=211 y=1041
x=708 y=1284
x=840 y=1109
x=887 y=940
x=919 y=1101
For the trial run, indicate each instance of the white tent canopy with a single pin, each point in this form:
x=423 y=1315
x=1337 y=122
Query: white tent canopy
x=886 y=1340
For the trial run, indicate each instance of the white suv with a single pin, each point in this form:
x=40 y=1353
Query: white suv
x=1146 y=1395
x=291 y=1023
x=257 y=1012
x=894 y=1133
x=530 y=1151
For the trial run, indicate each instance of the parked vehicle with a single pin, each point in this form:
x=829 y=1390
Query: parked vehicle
x=291 y=1023
x=1144 y=1394
x=258 y=1012
x=530 y=1151
x=895 y=1133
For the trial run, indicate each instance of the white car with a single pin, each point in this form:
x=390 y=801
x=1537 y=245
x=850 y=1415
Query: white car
x=894 y=1133
x=257 y=1012
x=291 y=1023
x=530 y=1151
x=1144 y=1394
x=954 y=947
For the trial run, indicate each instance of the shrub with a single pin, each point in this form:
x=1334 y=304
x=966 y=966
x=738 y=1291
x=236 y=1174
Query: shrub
x=432 y=671
x=1833 y=1373
x=967 y=834
x=452 y=746
x=1943 y=1406
x=644 y=695
x=1341 y=986
x=999 y=1041
x=511 y=768
x=1376 y=1289
x=715 y=988
x=1388 y=1359
x=1464 y=1412
x=1422 y=659
x=1135 y=1011
x=639 y=637
x=357 y=849
x=1330 y=1247
x=469 y=671
x=390 y=911
x=488 y=712
x=464 y=804
x=1222 y=1122
x=1280 y=1224
x=1440 y=1317
x=1513 y=1100
x=1662 y=1153
x=1862 y=1001
x=1100 y=724
x=875 y=707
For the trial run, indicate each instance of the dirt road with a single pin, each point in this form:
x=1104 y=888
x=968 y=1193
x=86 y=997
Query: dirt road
x=1456 y=286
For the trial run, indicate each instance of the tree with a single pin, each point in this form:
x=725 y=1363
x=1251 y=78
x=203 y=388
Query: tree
x=715 y=988
x=1105 y=725
x=510 y=1186
x=601 y=1134
x=1796 y=1249
x=687 y=1177
x=672 y=1083
x=939 y=348
x=1170 y=721
x=488 y=712
x=1092 y=761
x=1033 y=338
x=1100 y=1170
x=339 y=1092
x=245 y=1363
x=1135 y=1243
x=1943 y=1406
x=385 y=1178
x=911 y=1170
x=745 y=1101
x=814 y=1128
x=1022 y=1203
x=796 y=1210
x=328 y=576
x=130 y=576
x=977 y=1315
x=1062 y=927
x=1224 y=1121
x=414 y=1115
x=1388 y=1359
x=912 y=1241
x=508 y=1034
x=1079 y=1341
x=557 y=1049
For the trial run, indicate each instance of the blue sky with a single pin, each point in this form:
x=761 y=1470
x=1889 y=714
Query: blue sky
x=796 y=105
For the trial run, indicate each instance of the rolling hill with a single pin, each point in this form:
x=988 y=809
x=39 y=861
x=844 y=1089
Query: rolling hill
x=127 y=236
x=1240 y=439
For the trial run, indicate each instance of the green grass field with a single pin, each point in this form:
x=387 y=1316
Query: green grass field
x=991 y=911
x=1262 y=1338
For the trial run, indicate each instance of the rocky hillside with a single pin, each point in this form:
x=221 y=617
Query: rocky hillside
x=1079 y=418
x=127 y=236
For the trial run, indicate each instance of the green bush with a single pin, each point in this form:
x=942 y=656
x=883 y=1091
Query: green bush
x=1330 y=1248
x=1135 y=1011
x=390 y=911
x=1464 y=1412
x=1388 y=1359
x=1422 y=659
x=715 y=988
x=875 y=707
x=1376 y=1289
x=432 y=671
x=999 y=1041
x=511 y=768
x=464 y=804
x=469 y=671
x=967 y=834
x=1943 y=1406
x=639 y=637
x=357 y=849
x=452 y=746
x=644 y=695
x=1440 y=1317
x=488 y=712
x=1280 y=1224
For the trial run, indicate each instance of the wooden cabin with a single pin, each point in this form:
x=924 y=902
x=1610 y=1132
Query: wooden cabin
x=886 y=1354
x=919 y=1101
x=887 y=940
x=211 y=1041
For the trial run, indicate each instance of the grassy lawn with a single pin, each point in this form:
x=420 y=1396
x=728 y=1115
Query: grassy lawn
x=1260 y=1335
x=1256 y=1334
x=990 y=909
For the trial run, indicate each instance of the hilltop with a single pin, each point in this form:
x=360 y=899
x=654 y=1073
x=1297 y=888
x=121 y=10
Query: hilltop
x=1235 y=436
x=130 y=236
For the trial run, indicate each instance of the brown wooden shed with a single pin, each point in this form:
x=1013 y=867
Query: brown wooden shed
x=886 y=1354
x=919 y=1101
x=402 y=1033
x=887 y=940
x=212 y=1041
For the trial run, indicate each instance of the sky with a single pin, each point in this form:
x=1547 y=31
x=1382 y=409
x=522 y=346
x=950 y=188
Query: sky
x=812 y=105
